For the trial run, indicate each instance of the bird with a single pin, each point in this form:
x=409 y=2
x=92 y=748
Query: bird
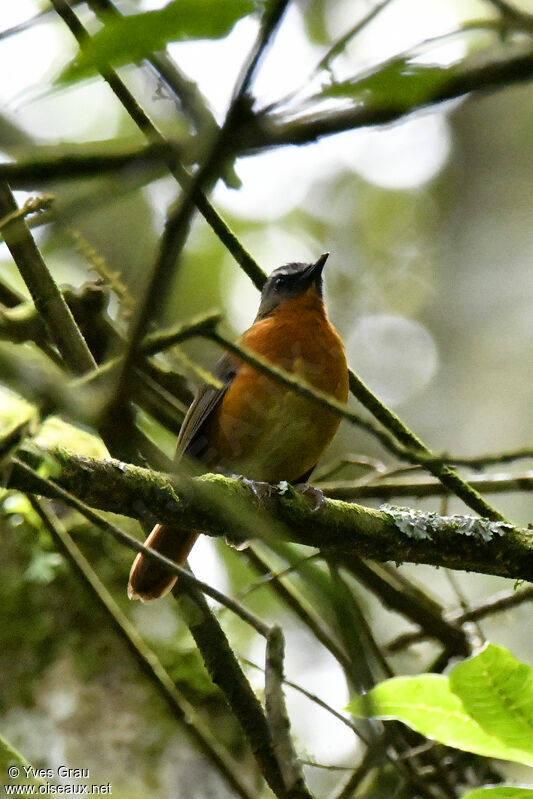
x=253 y=425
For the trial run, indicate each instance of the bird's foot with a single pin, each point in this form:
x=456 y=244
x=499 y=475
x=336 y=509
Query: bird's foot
x=260 y=491
x=312 y=493
x=259 y=488
x=237 y=543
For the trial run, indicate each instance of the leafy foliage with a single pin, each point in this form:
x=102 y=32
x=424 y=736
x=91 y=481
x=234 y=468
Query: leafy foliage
x=125 y=40
x=400 y=84
x=485 y=705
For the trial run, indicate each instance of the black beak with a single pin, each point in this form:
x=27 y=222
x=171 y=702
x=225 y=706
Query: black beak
x=313 y=273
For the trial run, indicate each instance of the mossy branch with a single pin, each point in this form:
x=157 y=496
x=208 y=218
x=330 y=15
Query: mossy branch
x=220 y=505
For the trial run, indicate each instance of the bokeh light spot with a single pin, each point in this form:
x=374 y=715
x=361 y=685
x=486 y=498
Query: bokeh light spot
x=396 y=356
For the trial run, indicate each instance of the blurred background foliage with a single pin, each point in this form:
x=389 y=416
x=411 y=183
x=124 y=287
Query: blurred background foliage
x=429 y=226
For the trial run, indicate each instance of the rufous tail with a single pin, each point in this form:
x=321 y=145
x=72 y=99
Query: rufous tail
x=149 y=579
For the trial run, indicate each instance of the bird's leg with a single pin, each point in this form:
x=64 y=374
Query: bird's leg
x=314 y=494
x=260 y=491
x=259 y=488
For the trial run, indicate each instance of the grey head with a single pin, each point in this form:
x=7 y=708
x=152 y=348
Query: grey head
x=290 y=281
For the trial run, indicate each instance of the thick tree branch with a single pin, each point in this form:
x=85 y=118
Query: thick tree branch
x=75 y=165
x=219 y=505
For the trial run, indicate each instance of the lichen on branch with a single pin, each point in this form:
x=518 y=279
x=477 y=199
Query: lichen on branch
x=219 y=505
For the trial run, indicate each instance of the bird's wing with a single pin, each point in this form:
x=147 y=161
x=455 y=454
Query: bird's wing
x=204 y=403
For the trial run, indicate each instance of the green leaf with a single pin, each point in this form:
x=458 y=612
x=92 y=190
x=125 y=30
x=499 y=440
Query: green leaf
x=125 y=40
x=500 y=792
x=9 y=756
x=14 y=766
x=428 y=705
x=496 y=690
x=399 y=84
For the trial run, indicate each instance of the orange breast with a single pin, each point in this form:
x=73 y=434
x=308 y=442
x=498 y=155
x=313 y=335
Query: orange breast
x=264 y=430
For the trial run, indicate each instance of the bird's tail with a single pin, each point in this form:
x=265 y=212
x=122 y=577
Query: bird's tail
x=151 y=580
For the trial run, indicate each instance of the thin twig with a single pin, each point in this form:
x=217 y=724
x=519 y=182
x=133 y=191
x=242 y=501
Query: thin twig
x=190 y=97
x=153 y=344
x=270 y=21
x=354 y=632
x=341 y=43
x=179 y=219
x=168 y=337
x=505 y=600
x=513 y=16
x=301 y=126
x=48 y=300
x=33 y=205
x=398 y=600
x=415 y=450
x=422 y=454
x=487 y=483
x=288 y=594
x=365 y=462
x=370 y=760
x=72 y=166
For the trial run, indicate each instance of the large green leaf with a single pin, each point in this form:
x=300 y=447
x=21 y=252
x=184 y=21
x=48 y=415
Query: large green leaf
x=500 y=792
x=429 y=705
x=10 y=757
x=496 y=690
x=14 y=766
x=125 y=40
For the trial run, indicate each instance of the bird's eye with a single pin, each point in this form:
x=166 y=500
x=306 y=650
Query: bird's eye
x=278 y=283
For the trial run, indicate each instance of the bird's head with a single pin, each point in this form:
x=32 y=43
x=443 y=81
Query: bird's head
x=291 y=281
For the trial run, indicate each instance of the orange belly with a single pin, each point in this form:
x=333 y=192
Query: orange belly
x=264 y=430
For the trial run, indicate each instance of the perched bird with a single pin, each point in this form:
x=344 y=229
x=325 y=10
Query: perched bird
x=253 y=425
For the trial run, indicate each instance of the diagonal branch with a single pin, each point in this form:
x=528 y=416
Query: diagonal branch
x=412 y=447
x=47 y=298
